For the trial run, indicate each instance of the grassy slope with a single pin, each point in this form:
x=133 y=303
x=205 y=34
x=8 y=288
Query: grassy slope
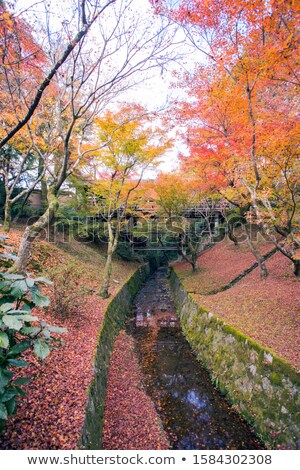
x=268 y=309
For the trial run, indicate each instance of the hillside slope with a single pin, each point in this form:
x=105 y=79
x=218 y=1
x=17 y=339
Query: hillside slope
x=268 y=309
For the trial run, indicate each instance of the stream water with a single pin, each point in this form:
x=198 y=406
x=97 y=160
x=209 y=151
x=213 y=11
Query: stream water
x=193 y=412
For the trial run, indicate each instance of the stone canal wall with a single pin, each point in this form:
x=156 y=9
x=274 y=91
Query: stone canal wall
x=114 y=318
x=259 y=384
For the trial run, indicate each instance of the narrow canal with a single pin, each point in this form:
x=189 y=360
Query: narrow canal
x=193 y=412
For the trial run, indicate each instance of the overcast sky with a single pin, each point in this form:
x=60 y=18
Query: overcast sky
x=153 y=93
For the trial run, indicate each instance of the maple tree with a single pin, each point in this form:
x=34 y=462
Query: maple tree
x=21 y=70
x=244 y=117
x=21 y=63
x=130 y=147
x=85 y=17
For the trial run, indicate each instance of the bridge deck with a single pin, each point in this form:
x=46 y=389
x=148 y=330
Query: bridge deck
x=158 y=248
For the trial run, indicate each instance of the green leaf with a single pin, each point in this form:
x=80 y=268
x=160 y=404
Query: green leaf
x=20 y=391
x=39 y=299
x=30 y=330
x=41 y=349
x=11 y=406
x=26 y=317
x=22 y=381
x=7 y=298
x=4 y=341
x=12 y=322
x=11 y=276
x=6 y=307
x=43 y=279
x=19 y=288
x=5 y=377
x=17 y=363
x=3 y=411
x=26 y=308
x=29 y=281
x=4 y=284
x=16 y=312
x=47 y=334
x=17 y=293
x=8 y=256
x=19 y=348
x=57 y=329
x=8 y=394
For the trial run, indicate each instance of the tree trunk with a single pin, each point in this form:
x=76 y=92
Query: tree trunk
x=19 y=213
x=231 y=235
x=261 y=263
x=43 y=183
x=7 y=215
x=33 y=231
x=194 y=260
x=112 y=245
x=104 y=290
x=296 y=263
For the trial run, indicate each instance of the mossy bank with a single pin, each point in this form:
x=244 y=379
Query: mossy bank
x=259 y=384
x=114 y=318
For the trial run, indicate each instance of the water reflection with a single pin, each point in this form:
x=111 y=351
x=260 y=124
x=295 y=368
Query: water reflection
x=194 y=413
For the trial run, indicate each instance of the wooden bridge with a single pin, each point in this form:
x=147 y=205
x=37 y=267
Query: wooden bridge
x=198 y=210
x=156 y=248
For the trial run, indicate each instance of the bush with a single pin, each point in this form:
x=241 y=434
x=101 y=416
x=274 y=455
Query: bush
x=19 y=331
x=66 y=289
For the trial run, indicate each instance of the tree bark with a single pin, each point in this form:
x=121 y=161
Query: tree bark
x=41 y=171
x=194 y=261
x=261 y=263
x=296 y=263
x=104 y=290
x=112 y=246
x=33 y=231
x=7 y=215
x=231 y=235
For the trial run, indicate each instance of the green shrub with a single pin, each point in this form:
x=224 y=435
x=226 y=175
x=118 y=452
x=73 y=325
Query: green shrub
x=19 y=331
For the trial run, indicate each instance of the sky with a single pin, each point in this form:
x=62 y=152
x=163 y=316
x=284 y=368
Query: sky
x=153 y=93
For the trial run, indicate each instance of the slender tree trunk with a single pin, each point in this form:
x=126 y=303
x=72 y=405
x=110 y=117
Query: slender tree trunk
x=194 y=261
x=192 y=258
x=231 y=235
x=261 y=263
x=112 y=245
x=33 y=231
x=43 y=183
x=7 y=215
x=19 y=213
x=104 y=290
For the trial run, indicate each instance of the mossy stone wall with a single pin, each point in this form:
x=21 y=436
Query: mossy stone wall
x=114 y=318
x=261 y=386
